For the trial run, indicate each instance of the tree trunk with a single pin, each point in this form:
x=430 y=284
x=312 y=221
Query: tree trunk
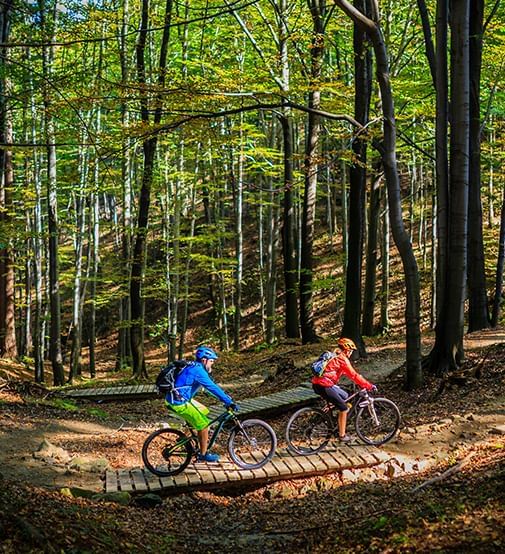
x=239 y=241
x=478 y=312
x=357 y=178
x=38 y=255
x=401 y=238
x=385 y=255
x=55 y=352
x=500 y=264
x=149 y=150
x=8 y=344
x=80 y=223
x=317 y=9
x=123 y=358
x=442 y=156
x=288 y=234
x=95 y=261
x=448 y=350
x=369 y=296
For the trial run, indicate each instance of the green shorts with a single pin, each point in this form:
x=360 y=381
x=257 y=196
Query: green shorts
x=194 y=413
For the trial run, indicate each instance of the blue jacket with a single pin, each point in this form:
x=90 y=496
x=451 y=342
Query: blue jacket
x=188 y=383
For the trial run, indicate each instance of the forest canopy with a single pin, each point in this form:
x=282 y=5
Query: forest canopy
x=236 y=171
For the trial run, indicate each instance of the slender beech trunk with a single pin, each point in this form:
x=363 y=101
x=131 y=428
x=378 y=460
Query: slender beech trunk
x=272 y=250
x=401 y=238
x=239 y=241
x=362 y=95
x=185 y=307
x=442 y=155
x=317 y=10
x=38 y=254
x=288 y=223
x=478 y=312
x=385 y=256
x=8 y=344
x=369 y=295
x=124 y=346
x=55 y=351
x=80 y=224
x=95 y=259
x=149 y=150
x=288 y=234
x=448 y=351
x=500 y=264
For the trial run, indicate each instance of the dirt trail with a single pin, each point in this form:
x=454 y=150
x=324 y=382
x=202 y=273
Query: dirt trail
x=22 y=433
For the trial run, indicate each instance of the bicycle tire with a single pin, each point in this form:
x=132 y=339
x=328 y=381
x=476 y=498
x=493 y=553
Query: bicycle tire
x=252 y=443
x=308 y=431
x=166 y=452
x=388 y=416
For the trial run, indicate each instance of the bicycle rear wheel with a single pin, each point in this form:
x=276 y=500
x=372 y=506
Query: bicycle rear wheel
x=308 y=431
x=252 y=443
x=167 y=452
x=378 y=422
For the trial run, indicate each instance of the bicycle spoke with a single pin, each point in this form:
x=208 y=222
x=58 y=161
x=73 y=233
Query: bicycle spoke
x=252 y=444
x=308 y=431
x=378 y=423
x=166 y=452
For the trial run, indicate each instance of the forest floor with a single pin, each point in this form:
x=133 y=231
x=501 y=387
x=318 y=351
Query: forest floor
x=454 y=428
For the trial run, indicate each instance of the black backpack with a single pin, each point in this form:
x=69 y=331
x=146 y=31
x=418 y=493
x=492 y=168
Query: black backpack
x=165 y=382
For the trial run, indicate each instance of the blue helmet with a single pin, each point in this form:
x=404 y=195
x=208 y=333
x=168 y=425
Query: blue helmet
x=205 y=352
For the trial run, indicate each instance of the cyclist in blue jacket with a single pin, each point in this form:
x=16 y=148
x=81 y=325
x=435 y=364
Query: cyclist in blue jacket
x=181 y=400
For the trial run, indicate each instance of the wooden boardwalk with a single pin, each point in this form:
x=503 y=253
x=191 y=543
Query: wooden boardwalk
x=268 y=404
x=115 y=392
x=284 y=465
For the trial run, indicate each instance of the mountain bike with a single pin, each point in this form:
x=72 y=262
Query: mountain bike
x=251 y=444
x=376 y=422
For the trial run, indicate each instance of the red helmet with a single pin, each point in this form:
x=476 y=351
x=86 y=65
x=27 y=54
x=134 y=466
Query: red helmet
x=346 y=344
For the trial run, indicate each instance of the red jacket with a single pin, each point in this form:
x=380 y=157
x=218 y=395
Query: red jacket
x=338 y=366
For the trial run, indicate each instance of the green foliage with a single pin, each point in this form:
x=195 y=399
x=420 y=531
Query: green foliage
x=97 y=412
x=64 y=404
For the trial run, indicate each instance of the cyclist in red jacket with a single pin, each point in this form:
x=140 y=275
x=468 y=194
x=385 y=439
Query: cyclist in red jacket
x=326 y=385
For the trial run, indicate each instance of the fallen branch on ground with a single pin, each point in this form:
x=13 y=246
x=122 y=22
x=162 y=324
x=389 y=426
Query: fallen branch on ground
x=447 y=473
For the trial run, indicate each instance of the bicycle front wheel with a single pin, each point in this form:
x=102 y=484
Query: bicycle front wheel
x=167 y=452
x=252 y=443
x=378 y=422
x=308 y=431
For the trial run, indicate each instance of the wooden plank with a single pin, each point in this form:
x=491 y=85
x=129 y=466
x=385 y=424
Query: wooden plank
x=282 y=466
x=139 y=481
x=233 y=475
x=305 y=463
x=293 y=466
x=125 y=480
x=220 y=475
x=153 y=481
x=180 y=480
x=319 y=463
x=111 y=482
x=193 y=476
x=379 y=455
x=268 y=469
x=244 y=474
x=364 y=456
x=341 y=462
x=207 y=476
x=260 y=472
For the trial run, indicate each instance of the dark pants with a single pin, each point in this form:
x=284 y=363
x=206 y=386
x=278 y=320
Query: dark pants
x=334 y=394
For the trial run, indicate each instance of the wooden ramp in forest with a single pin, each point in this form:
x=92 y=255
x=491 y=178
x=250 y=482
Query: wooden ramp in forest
x=284 y=465
x=267 y=404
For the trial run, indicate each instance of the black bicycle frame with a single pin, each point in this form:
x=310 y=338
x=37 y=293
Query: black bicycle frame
x=221 y=421
x=352 y=410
